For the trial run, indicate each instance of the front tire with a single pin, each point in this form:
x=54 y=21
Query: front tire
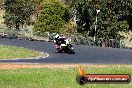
x=71 y=50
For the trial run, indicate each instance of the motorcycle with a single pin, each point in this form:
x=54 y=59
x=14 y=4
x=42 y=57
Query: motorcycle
x=66 y=47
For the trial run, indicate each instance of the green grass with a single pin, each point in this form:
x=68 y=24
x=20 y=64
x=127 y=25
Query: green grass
x=10 y=52
x=57 y=78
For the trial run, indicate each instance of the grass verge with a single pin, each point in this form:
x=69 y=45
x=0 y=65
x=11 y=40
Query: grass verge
x=11 y=52
x=58 y=77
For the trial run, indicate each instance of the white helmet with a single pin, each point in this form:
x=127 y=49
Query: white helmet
x=57 y=36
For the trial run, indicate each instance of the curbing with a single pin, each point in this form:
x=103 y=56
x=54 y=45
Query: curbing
x=43 y=55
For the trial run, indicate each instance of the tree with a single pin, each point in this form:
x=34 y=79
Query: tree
x=109 y=23
x=82 y=13
x=1 y=4
x=37 y=8
x=124 y=10
x=17 y=12
x=115 y=16
x=1 y=1
x=52 y=17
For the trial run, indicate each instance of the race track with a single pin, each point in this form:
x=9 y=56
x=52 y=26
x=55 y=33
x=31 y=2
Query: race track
x=84 y=54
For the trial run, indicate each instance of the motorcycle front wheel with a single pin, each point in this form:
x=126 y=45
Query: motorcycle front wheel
x=71 y=50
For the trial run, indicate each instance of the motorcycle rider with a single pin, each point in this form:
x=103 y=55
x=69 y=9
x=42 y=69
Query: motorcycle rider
x=58 y=40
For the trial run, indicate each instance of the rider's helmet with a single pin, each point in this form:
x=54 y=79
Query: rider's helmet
x=57 y=36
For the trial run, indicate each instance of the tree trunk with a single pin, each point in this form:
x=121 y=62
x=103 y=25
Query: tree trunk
x=17 y=26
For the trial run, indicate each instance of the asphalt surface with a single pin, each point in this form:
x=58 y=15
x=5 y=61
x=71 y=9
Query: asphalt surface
x=84 y=54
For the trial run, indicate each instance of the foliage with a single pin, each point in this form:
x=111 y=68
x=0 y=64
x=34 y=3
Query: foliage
x=81 y=14
x=109 y=24
x=17 y=12
x=115 y=16
x=69 y=28
x=52 y=17
x=37 y=7
x=1 y=1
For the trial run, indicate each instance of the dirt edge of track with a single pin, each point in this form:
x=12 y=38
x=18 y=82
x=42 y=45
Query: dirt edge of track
x=54 y=66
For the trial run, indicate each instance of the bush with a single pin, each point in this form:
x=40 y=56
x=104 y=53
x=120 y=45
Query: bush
x=51 y=18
